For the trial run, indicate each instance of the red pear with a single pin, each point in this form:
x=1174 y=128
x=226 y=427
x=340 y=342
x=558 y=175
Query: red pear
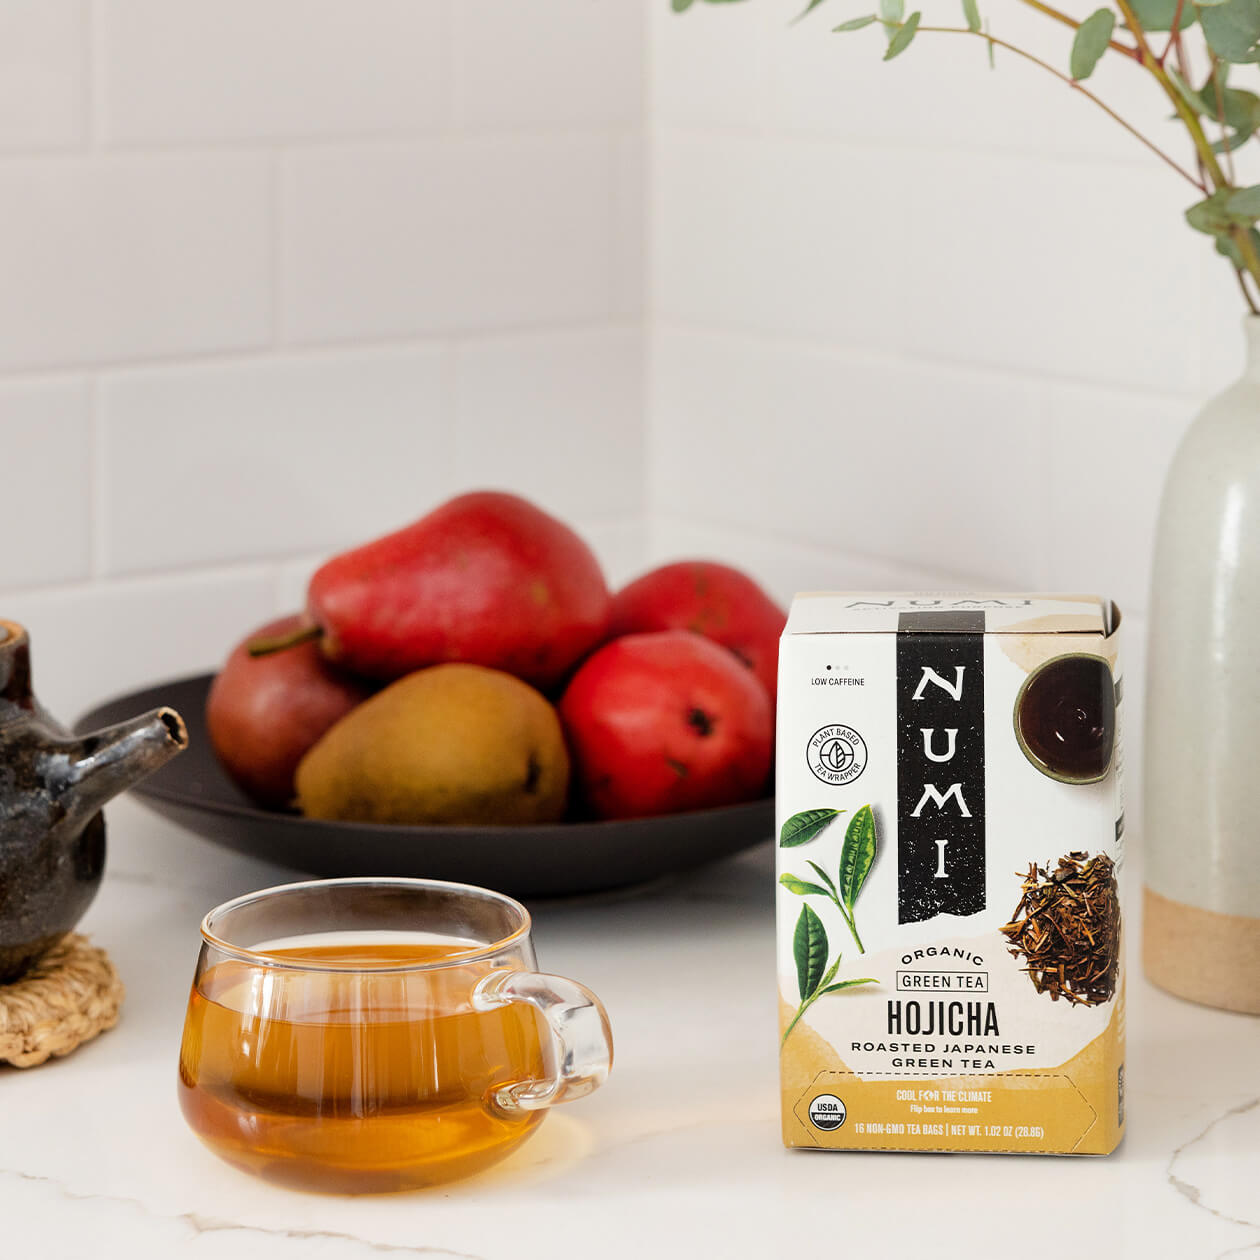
x=264 y=713
x=660 y=723
x=487 y=579
x=711 y=599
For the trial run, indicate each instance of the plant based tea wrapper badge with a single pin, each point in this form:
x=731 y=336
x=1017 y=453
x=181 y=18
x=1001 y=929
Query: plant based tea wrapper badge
x=951 y=836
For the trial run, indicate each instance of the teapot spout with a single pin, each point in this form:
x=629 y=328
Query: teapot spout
x=104 y=763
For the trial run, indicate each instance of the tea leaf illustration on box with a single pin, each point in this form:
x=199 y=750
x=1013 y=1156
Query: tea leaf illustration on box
x=803 y=827
x=856 y=859
x=810 y=947
x=855 y=863
x=814 y=979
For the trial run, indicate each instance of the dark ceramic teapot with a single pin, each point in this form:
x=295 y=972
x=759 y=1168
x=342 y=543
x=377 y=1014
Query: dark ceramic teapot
x=52 y=788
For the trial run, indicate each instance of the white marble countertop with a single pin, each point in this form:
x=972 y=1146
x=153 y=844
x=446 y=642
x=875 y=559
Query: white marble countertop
x=678 y=1155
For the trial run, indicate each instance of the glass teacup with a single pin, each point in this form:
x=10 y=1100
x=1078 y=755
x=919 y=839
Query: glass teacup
x=367 y=1035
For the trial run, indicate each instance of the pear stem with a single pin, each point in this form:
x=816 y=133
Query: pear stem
x=266 y=644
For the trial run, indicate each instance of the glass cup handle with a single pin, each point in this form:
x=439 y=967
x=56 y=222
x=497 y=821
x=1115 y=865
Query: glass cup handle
x=580 y=1032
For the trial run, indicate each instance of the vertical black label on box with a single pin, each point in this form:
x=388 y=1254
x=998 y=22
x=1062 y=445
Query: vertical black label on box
x=940 y=764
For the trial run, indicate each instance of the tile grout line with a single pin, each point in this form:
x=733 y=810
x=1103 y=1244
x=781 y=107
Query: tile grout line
x=351 y=144
x=88 y=69
x=434 y=340
x=813 y=344
x=769 y=131
x=97 y=494
x=275 y=244
x=972 y=579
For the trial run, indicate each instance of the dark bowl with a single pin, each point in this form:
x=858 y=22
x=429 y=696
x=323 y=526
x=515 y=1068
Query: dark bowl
x=561 y=859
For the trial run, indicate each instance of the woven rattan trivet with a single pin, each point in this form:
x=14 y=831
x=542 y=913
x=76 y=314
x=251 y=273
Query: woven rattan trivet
x=66 y=998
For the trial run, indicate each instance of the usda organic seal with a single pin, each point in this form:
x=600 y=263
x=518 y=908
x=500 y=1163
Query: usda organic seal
x=827 y=1112
x=836 y=754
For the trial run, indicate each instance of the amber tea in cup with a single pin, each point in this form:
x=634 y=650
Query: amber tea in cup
x=363 y=1035
x=1065 y=718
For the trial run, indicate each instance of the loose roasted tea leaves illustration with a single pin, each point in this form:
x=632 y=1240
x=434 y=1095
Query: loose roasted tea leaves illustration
x=1067 y=927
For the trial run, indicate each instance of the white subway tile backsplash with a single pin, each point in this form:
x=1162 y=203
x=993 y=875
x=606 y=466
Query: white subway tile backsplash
x=240 y=70
x=446 y=235
x=630 y=187
x=43 y=73
x=294 y=576
x=774 y=235
x=926 y=466
x=92 y=642
x=211 y=464
x=124 y=258
x=782 y=567
x=1109 y=453
x=915 y=324
x=563 y=61
x=622 y=547
x=1221 y=341
x=821 y=240
x=45 y=458
x=556 y=417
x=708 y=63
x=1020 y=269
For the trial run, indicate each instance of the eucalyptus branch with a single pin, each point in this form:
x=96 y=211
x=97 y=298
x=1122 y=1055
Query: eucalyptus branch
x=1187 y=115
x=1218 y=90
x=1174 y=34
x=1229 y=31
x=1246 y=292
x=1247 y=248
x=1063 y=18
x=1075 y=84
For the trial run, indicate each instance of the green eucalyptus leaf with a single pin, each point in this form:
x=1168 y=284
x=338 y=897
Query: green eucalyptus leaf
x=992 y=49
x=1244 y=204
x=809 y=946
x=1233 y=140
x=802 y=887
x=857 y=855
x=808 y=9
x=1210 y=215
x=1158 y=15
x=892 y=10
x=1232 y=29
x=680 y=6
x=855 y=24
x=1228 y=247
x=972 y=14
x=1241 y=109
x=904 y=34
x=1193 y=98
x=1092 y=38
x=806 y=826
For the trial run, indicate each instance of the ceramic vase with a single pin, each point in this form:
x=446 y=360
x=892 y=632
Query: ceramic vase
x=1201 y=778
